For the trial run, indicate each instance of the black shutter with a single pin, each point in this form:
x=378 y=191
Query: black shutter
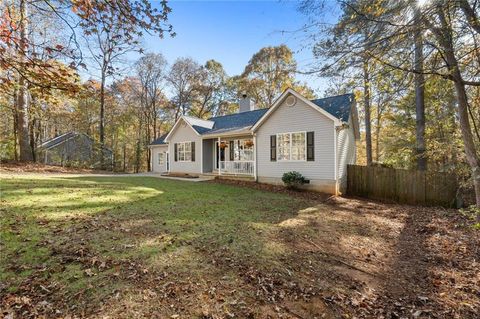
x=232 y=150
x=175 y=147
x=310 y=147
x=192 y=145
x=273 y=148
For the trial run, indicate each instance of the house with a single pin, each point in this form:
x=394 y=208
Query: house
x=314 y=137
x=73 y=149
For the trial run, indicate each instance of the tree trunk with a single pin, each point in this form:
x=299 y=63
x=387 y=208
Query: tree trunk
x=31 y=127
x=366 y=97
x=124 y=157
x=419 y=94
x=445 y=39
x=102 y=120
x=15 y=130
x=22 y=98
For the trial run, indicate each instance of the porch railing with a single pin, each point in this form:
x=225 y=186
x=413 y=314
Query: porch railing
x=237 y=167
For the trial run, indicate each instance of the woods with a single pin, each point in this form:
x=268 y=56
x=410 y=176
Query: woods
x=403 y=55
x=413 y=65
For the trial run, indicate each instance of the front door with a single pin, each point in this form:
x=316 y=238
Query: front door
x=219 y=155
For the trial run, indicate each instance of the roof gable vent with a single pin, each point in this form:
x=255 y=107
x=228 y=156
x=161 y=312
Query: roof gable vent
x=291 y=101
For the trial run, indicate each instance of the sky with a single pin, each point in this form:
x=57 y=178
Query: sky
x=232 y=31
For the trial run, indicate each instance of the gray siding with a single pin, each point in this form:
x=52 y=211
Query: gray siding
x=300 y=117
x=208 y=155
x=156 y=150
x=184 y=133
x=346 y=153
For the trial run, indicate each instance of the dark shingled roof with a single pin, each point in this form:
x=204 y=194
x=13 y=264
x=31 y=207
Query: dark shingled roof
x=339 y=106
x=235 y=121
x=160 y=140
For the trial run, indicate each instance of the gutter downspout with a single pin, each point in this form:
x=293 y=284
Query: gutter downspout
x=335 y=157
x=218 y=158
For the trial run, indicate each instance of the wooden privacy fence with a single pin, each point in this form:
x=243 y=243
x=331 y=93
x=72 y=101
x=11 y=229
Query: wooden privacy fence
x=402 y=186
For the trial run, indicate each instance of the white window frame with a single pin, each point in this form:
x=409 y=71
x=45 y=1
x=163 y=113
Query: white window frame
x=184 y=152
x=290 y=147
x=161 y=158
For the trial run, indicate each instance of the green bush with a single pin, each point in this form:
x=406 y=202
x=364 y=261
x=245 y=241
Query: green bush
x=293 y=180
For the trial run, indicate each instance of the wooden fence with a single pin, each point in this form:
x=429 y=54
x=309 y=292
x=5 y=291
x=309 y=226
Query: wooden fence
x=402 y=186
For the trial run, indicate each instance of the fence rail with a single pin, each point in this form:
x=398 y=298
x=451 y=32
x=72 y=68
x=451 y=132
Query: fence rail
x=237 y=167
x=402 y=186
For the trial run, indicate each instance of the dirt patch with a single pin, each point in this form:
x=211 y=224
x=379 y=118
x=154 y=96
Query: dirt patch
x=30 y=167
x=275 y=188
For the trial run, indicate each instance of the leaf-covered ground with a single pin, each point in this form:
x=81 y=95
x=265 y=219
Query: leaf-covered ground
x=136 y=247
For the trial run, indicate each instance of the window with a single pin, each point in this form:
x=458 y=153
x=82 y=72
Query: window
x=161 y=158
x=184 y=151
x=243 y=150
x=291 y=146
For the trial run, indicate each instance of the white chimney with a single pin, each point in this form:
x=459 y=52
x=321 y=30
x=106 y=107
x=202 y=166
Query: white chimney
x=246 y=104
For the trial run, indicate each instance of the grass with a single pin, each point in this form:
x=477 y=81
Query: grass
x=59 y=225
x=142 y=247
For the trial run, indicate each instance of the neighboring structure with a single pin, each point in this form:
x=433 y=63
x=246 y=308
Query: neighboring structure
x=316 y=138
x=74 y=149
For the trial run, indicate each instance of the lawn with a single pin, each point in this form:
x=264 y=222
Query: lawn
x=139 y=247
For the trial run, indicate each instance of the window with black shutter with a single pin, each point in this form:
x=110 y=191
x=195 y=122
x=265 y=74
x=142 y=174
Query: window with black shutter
x=193 y=151
x=175 y=148
x=273 y=148
x=310 y=146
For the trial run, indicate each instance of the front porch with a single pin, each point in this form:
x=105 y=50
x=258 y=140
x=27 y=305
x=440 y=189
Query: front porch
x=229 y=156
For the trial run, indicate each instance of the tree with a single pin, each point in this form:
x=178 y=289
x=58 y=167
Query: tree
x=419 y=90
x=452 y=50
x=268 y=73
x=182 y=78
x=26 y=153
x=151 y=72
x=210 y=90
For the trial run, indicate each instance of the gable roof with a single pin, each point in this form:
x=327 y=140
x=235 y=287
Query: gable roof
x=336 y=108
x=339 y=105
x=57 y=140
x=282 y=98
x=160 y=140
x=48 y=144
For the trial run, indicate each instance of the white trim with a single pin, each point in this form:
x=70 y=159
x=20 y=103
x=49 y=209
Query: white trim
x=335 y=159
x=185 y=153
x=230 y=133
x=201 y=156
x=255 y=162
x=218 y=156
x=280 y=99
x=290 y=152
x=175 y=125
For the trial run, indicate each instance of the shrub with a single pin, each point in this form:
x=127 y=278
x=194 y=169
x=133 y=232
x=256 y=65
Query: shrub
x=293 y=180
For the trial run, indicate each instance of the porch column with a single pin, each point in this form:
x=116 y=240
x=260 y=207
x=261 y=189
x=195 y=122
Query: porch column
x=219 y=157
x=255 y=156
